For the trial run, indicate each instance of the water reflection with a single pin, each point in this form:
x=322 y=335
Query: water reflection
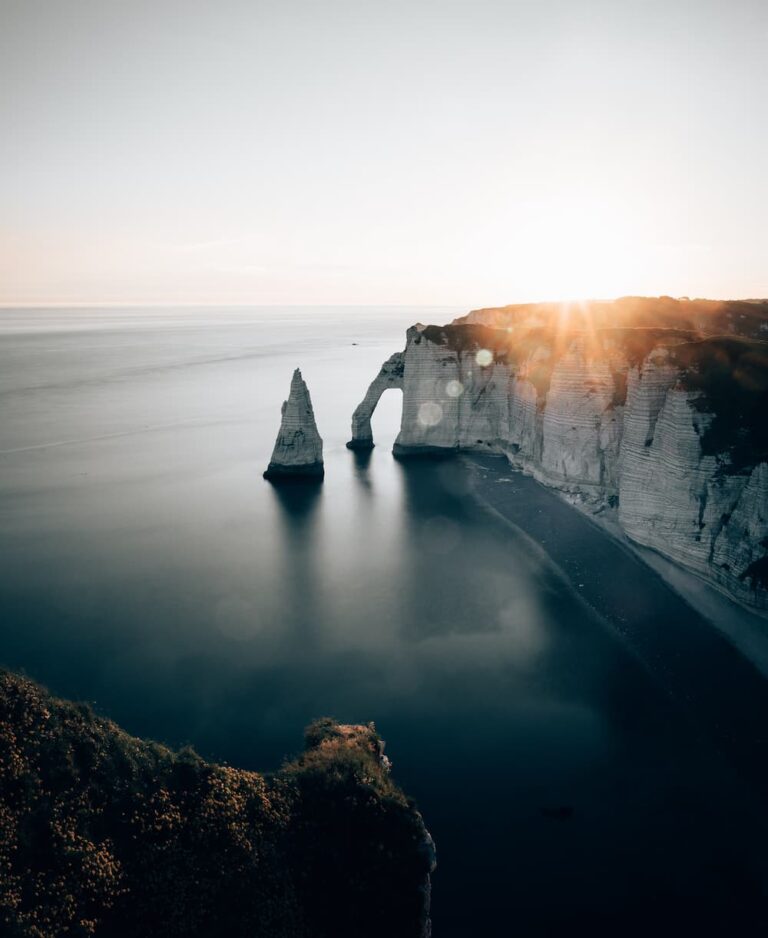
x=455 y=573
x=302 y=557
x=362 y=461
x=298 y=500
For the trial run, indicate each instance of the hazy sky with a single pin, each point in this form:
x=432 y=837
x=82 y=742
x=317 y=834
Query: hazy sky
x=463 y=152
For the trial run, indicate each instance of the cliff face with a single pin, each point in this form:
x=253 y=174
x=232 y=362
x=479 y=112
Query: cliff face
x=102 y=834
x=665 y=424
x=684 y=497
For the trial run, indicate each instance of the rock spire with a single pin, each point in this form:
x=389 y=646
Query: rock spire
x=298 y=448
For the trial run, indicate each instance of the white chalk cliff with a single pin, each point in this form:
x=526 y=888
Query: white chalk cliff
x=664 y=426
x=298 y=449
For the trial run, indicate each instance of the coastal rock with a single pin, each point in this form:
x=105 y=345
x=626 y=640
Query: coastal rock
x=298 y=449
x=390 y=376
x=430 y=421
x=683 y=502
x=580 y=425
x=104 y=834
x=662 y=423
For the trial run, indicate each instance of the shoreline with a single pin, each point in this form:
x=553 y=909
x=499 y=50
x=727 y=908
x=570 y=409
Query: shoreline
x=675 y=639
x=745 y=628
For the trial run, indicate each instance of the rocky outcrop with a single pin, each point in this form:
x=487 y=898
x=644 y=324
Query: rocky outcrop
x=298 y=451
x=664 y=425
x=105 y=835
x=390 y=376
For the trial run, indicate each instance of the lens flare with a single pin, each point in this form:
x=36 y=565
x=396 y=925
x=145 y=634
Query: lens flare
x=430 y=414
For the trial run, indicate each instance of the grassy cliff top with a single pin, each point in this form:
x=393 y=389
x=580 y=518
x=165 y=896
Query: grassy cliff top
x=730 y=375
x=105 y=834
x=738 y=317
x=515 y=344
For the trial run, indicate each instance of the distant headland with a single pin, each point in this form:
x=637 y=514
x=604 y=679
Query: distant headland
x=649 y=409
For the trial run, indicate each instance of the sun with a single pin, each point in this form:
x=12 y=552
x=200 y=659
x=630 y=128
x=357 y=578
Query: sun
x=576 y=249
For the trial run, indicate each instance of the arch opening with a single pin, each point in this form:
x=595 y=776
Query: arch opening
x=390 y=376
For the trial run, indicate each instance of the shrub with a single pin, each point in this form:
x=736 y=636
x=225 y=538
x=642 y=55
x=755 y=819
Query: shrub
x=105 y=834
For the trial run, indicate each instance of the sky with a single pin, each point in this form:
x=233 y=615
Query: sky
x=437 y=152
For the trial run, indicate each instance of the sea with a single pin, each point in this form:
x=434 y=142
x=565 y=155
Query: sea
x=148 y=568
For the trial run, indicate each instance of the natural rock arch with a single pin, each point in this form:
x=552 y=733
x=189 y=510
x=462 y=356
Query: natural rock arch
x=390 y=376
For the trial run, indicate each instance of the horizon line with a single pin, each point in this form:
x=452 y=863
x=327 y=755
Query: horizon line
x=217 y=305
x=214 y=305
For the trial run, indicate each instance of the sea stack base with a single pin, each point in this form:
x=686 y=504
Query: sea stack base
x=361 y=446
x=309 y=471
x=400 y=451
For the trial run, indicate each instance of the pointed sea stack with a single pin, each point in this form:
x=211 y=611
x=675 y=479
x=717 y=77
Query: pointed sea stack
x=298 y=451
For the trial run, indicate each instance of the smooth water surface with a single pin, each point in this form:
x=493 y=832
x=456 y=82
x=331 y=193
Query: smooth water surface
x=147 y=567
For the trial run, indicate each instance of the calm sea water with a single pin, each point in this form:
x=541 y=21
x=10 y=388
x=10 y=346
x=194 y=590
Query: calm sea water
x=147 y=567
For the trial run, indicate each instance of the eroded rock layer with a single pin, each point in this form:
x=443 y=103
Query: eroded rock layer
x=665 y=424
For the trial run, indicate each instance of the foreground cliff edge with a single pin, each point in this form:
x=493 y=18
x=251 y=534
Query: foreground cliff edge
x=104 y=834
x=654 y=409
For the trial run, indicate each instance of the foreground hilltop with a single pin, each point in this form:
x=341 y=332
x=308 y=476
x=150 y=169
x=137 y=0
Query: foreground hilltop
x=650 y=409
x=103 y=834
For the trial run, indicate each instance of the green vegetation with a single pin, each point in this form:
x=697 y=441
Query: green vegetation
x=703 y=317
x=637 y=343
x=105 y=834
x=731 y=375
x=506 y=349
x=468 y=338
